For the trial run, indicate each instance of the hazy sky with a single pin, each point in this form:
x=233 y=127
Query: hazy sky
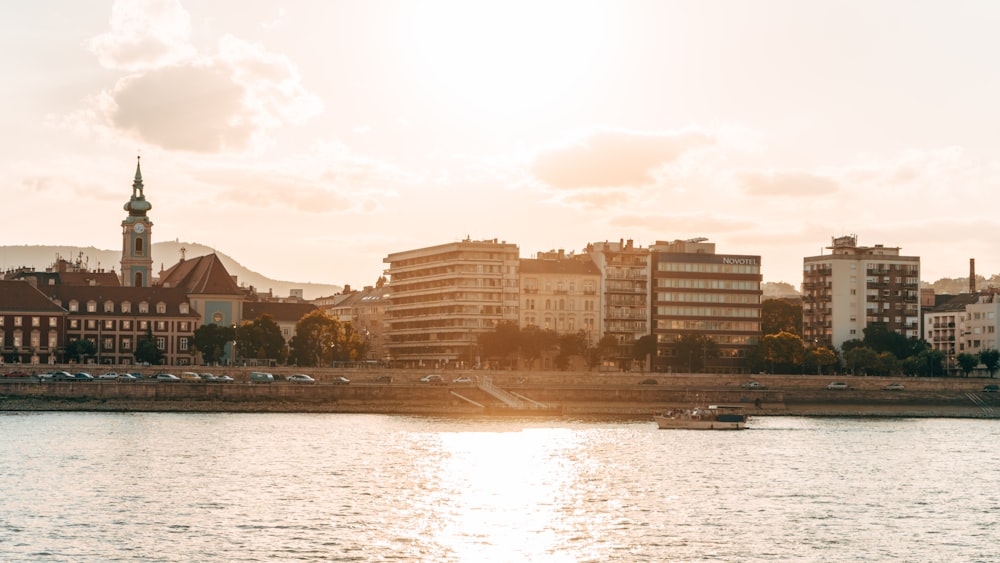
x=309 y=139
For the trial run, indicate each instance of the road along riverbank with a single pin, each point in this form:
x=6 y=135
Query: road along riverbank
x=522 y=394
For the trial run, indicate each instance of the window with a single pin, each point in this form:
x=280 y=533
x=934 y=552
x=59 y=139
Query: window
x=1 y=319
x=126 y=307
x=126 y=343
x=161 y=325
x=183 y=326
x=184 y=308
x=109 y=343
x=91 y=324
x=161 y=343
x=53 y=339
x=143 y=325
x=36 y=321
x=143 y=307
x=53 y=321
x=74 y=323
x=109 y=306
x=17 y=321
x=109 y=324
x=127 y=325
x=138 y=246
x=161 y=307
x=17 y=339
x=74 y=306
x=36 y=339
x=91 y=306
x=183 y=343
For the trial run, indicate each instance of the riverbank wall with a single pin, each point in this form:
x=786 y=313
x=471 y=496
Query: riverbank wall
x=568 y=394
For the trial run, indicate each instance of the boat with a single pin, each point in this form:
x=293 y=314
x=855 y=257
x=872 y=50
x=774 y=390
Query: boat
x=712 y=417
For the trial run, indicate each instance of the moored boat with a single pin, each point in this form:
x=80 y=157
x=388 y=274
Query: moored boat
x=712 y=417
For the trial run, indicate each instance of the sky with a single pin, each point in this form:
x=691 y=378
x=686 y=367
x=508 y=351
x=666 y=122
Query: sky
x=308 y=140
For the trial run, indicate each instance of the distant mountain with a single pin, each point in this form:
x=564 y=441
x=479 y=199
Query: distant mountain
x=165 y=254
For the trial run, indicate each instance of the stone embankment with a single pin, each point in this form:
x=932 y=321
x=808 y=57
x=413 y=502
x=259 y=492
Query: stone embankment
x=571 y=394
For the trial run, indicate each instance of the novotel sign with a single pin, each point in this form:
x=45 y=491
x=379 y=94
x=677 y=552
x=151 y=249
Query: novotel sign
x=739 y=261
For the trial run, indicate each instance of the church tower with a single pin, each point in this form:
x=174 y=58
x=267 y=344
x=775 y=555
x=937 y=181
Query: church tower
x=137 y=259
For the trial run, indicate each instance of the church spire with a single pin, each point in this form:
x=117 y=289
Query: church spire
x=137 y=204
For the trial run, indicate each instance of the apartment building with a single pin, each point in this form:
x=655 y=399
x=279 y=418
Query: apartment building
x=443 y=297
x=624 y=293
x=32 y=327
x=696 y=291
x=856 y=286
x=559 y=293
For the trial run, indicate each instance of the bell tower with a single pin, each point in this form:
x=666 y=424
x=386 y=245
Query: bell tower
x=137 y=260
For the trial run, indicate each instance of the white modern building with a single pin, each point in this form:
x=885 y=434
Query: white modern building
x=853 y=286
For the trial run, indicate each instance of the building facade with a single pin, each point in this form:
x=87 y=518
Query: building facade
x=559 y=293
x=32 y=327
x=443 y=297
x=698 y=292
x=624 y=294
x=856 y=286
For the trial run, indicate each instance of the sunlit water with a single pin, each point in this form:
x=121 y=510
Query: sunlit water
x=287 y=487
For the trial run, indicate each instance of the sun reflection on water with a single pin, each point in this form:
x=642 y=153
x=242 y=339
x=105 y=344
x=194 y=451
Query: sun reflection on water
x=501 y=489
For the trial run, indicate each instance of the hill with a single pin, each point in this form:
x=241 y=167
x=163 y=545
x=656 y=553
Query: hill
x=164 y=254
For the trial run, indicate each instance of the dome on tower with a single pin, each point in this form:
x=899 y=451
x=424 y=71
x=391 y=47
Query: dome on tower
x=137 y=204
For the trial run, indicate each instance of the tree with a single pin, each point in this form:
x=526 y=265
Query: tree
x=261 y=339
x=80 y=349
x=315 y=340
x=783 y=352
x=211 y=340
x=607 y=347
x=967 y=362
x=693 y=350
x=642 y=349
x=533 y=341
x=146 y=350
x=502 y=344
x=990 y=359
x=780 y=315
x=927 y=363
x=861 y=360
x=569 y=345
x=820 y=359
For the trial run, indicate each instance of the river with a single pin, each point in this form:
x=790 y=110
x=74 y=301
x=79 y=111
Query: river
x=344 y=487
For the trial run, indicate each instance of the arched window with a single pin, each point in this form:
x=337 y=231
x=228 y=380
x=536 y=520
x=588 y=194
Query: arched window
x=138 y=246
x=109 y=306
x=138 y=280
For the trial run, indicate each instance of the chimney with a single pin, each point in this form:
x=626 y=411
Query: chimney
x=972 y=275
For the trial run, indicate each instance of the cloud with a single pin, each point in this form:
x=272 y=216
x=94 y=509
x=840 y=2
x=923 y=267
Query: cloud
x=796 y=184
x=682 y=226
x=178 y=99
x=611 y=158
x=144 y=34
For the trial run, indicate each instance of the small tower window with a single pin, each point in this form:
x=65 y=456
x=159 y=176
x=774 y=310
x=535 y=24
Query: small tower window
x=138 y=246
x=138 y=280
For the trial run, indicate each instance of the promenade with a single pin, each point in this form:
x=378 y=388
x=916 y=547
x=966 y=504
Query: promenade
x=520 y=393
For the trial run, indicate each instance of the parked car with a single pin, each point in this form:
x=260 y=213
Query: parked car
x=168 y=377
x=190 y=376
x=837 y=385
x=63 y=376
x=126 y=378
x=383 y=379
x=649 y=382
x=991 y=389
x=753 y=385
x=463 y=380
x=261 y=377
x=339 y=380
x=108 y=376
x=893 y=387
x=48 y=375
x=16 y=374
x=83 y=376
x=433 y=378
x=300 y=378
x=208 y=377
x=224 y=379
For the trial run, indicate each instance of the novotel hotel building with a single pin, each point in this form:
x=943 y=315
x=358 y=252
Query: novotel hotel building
x=695 y=291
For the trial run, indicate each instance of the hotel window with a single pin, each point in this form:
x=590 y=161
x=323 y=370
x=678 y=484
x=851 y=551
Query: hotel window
x=91 y=306
x=109 y=306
